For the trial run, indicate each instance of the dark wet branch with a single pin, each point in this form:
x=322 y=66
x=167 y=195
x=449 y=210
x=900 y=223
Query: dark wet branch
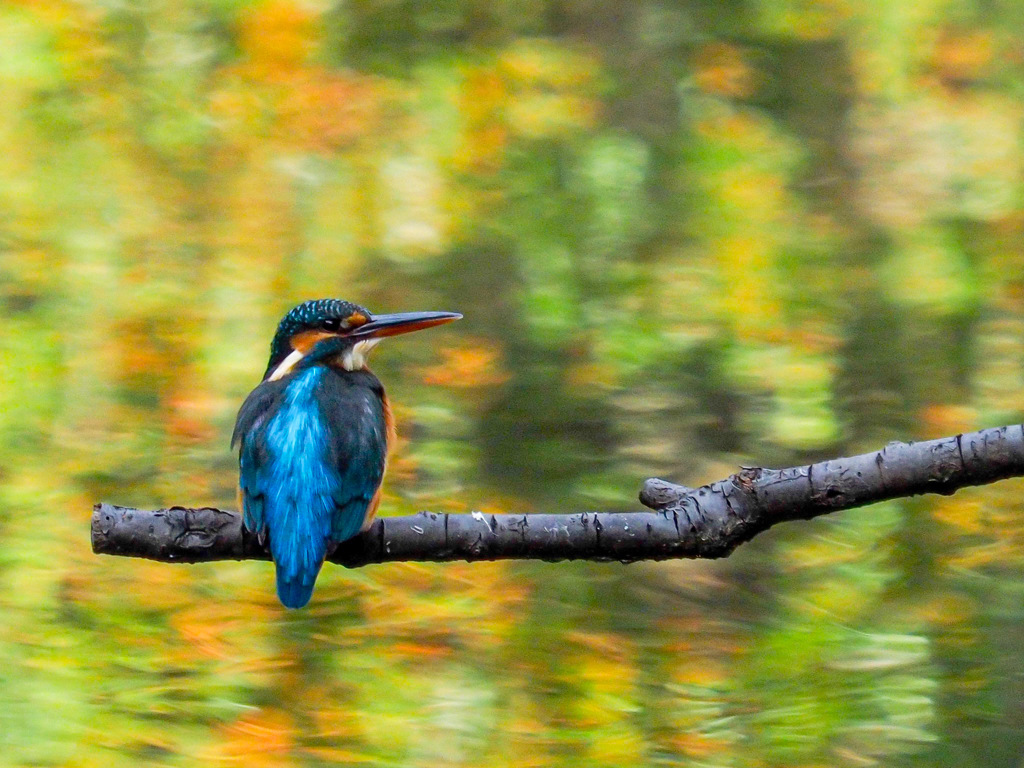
x=710 y=521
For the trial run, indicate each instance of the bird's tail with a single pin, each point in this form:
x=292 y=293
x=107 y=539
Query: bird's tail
x=295 y=589
x=297 y=561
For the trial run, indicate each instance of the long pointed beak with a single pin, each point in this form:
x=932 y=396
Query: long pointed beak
x=402 y=322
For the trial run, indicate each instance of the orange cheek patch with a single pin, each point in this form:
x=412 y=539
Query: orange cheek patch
x=306 y=340
x=356 y=319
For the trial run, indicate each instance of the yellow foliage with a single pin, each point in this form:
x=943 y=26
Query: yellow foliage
x=549 y=90
x=696 y=670
x=483 y=98
x=277 y=35
x=949 y=610
x=750 y=286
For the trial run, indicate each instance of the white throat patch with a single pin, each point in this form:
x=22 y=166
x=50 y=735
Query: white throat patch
x=354 y=359
x=286 y=365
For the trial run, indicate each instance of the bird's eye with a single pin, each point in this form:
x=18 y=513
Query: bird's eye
x=331 y=324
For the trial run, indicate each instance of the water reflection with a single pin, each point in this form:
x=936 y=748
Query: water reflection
x=684 y=238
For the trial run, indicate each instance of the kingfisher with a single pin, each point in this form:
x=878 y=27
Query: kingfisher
x=313 y=436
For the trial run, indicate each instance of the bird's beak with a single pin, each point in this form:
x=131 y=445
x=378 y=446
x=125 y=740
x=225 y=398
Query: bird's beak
x=402 y=322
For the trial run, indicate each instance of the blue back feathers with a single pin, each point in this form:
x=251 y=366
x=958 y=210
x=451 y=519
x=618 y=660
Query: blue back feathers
x=312 y=453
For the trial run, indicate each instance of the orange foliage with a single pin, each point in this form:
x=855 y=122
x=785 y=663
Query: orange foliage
x=941 y=419
x=323 y=112
x=261 y=739
x=139 y=348
x=962 y=57
x=191 y=410
x=697 y=745
x=203 y=627
x=721 y=69
x=467 y=366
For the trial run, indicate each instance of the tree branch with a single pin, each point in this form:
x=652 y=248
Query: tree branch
x=710 y=521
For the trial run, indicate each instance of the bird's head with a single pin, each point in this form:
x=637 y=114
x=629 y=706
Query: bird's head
x=332 y=328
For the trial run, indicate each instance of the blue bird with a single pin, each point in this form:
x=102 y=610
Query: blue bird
x=313 y=436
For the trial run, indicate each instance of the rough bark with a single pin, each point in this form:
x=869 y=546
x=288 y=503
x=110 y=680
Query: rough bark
x=710 y=521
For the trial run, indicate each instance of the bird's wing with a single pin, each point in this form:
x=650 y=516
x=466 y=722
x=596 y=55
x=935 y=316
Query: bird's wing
x=253 y=455
x=355 y=448
x=354 y=415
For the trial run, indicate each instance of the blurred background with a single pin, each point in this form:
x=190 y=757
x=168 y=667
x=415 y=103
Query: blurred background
x=686 y=235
